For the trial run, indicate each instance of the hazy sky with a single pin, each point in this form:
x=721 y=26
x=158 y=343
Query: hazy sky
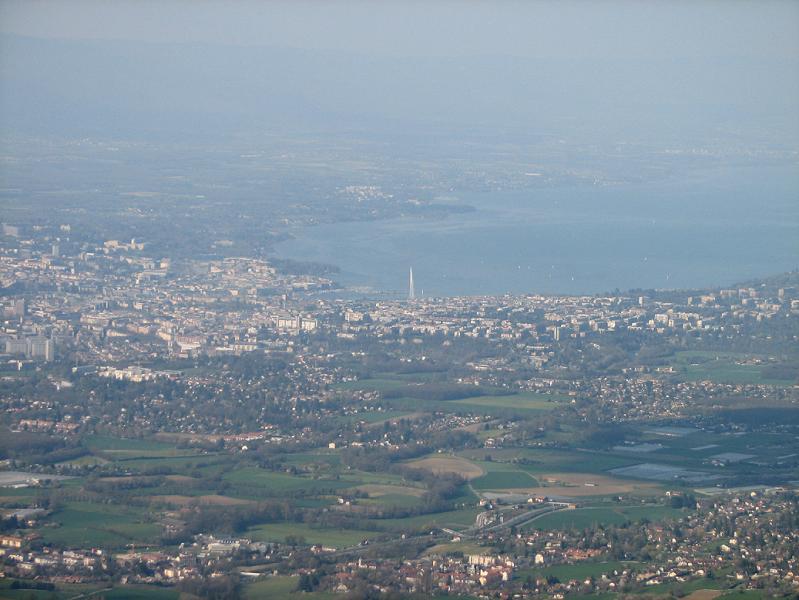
x=534 y=29
x=640 y=69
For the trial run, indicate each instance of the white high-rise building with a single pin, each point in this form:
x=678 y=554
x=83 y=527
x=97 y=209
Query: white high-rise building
x=41 y=348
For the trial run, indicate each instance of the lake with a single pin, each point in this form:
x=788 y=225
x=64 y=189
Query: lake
x=713 y=227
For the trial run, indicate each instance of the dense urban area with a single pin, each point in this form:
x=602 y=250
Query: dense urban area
x=232 y=426
x=396 y=300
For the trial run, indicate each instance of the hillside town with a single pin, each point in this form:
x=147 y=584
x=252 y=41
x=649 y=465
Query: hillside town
x=750 y=539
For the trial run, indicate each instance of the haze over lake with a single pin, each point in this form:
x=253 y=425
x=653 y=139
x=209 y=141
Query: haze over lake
x=713 y=227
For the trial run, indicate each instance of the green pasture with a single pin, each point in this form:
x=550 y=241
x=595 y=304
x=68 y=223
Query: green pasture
x=69 y=591
x=498 y=480
x=376 y=384
x=453 y=519
x=721 y=367
x=336 y=538
x=523 y=401
x=139 y=454
x=85 y=460
x=588 y=517
x=453 y=547
x=361 y=477
x=276 y=483
x=319 y=464
x=537 y=461
x=208 y=463
x=743 y=595
x=271 y=587
x=578 y=571
x=114 y=448
x=63 y=590
x=282 y=587
x=141 y=593
x=107 y=442
x=9 y=495
x=464 y=406
x=86 y=524
x=392 y=500
x=374 y=416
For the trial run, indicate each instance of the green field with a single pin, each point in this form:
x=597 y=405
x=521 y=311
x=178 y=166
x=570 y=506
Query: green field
x=103 y=442
x=98 y=590
x=491 y=401
x=109 y=591
x=587 y=517
x=177 y=463
x=281 y=587
x=686 y=587
x=578 y=571
x=398 y=500
x=116 y=525
x=358 y=477
x=85 y=460
x=524 y=401
x=550 y=461
x=453 y=519
x=120 y=448
x=374 y=416
x=141 y=454
x=743 y=595
x=453 y=547
x=722 y=367
x=499 y=480
x=141 y=593
x=376 y=384
x=329 y=457
x=271 y=587
x=277 y=483
x=502 y=475
x=336 y=538
x=16 y=496
x=86 y=525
